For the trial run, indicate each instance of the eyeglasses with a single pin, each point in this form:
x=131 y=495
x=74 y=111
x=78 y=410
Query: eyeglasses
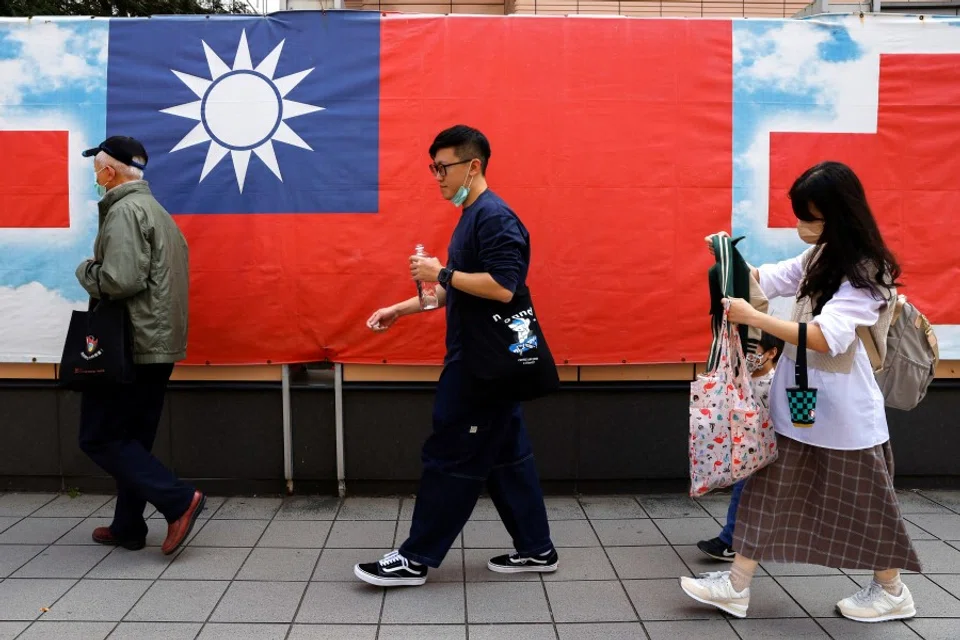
x=439 y=170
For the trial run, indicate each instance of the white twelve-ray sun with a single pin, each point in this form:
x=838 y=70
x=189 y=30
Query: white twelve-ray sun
x=242 y=110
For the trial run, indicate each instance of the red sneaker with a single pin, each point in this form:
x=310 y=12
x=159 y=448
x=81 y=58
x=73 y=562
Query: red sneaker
x=178 y=531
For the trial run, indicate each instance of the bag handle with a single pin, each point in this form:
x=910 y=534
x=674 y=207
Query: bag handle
x=801 y=366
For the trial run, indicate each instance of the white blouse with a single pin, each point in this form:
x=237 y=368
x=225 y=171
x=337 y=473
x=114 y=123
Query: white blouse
x=850 y=407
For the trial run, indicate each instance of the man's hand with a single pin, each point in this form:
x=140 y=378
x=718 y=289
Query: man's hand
x=383 y=319
x=424 y=269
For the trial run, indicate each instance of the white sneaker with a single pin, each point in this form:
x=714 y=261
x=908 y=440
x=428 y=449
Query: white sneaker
x=715 y=588
x=873 y=604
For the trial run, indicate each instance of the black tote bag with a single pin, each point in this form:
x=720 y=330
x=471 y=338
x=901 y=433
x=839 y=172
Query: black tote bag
x=99 y=347
x=505 y=351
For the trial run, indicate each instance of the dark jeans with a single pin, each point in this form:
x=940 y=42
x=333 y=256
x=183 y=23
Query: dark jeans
x=726 y=536
x=118 y=425
x=474 y=444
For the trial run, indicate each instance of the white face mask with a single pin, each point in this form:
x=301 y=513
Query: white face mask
x=755 y=361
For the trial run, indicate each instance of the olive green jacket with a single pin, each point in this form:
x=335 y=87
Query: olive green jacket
x=141 y=256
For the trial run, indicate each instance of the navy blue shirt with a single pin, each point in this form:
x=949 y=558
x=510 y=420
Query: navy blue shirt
x=488 y=239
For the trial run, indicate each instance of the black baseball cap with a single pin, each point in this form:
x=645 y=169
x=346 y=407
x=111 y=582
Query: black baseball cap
x=122 y=148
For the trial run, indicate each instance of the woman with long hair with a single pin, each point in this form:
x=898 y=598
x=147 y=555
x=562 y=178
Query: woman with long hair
x=829 y=497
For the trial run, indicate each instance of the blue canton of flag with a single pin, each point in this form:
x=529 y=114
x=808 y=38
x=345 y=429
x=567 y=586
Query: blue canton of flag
x=252 y=115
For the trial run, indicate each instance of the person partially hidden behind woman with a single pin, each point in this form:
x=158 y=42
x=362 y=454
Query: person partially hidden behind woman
x=829 y=497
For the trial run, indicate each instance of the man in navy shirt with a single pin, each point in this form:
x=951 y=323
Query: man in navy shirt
x=476 y=442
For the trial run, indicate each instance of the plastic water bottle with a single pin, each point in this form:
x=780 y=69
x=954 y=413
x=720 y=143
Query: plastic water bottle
x=427 y=291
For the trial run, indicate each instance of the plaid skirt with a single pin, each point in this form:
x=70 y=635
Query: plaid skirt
x=825 y=507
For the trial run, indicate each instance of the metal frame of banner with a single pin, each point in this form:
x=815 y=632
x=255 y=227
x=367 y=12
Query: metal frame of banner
x=338 y=409
x=287 y=428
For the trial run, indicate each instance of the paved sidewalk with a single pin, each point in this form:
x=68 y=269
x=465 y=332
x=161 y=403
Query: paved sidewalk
x=266 y=568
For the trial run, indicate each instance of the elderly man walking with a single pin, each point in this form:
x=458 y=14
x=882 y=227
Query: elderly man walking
x=140 y=257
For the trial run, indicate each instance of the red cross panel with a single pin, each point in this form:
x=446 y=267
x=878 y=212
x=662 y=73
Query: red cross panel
x=34 y=181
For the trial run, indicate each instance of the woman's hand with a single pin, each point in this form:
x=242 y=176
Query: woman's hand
x=741 y=312
x=709 y=240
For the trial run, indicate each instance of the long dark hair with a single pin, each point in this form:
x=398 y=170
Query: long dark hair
x=851 y=245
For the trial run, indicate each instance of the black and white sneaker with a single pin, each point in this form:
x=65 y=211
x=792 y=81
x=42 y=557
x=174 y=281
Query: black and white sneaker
x=393 y=570
x=717 y=549
x=543 y=563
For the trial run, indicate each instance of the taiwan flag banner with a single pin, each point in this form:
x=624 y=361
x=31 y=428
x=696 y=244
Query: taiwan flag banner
x=291 y=149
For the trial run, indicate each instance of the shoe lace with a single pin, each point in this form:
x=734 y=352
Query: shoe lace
x=868 y=594
x=392 y=558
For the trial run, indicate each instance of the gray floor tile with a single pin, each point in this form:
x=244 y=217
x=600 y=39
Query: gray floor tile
x=484 y=510
x=14 y=556
x=248 y=509
x=332 y=632
x=476 y=560
x=944 y=526
x=407 y=506
x=681 y=630
x=145 y=564
x=279 y=565
x=336 y=565
x=23 y=599
x=589 y=602
x=562 y=508
x=435 y=603
x=309 y=508
x=937 y=557
x=582 y=563
x=422 y=632
x=819 y=595
x=487 y=534
x=23 y=504
x=641 y=563
x=403 y=532
x=68 y=631
x=206 y=563
x=8 y=521
x=230 y=533
x=156 y=631
x=83 y=532
x=221 y=631
x=769 y=600
x=370 y=509
x=107 y=510
x=779 y=629
x=936 y=629
x=671 y=506
x=98 y=600
x=916 y=533
x=699 y=563
x=688 y=530
x=210 y=507
x=850 y=630
x=64 y=506
x=950 y=583
x=636 y=532
x=573 y=533
x=178 y=601
x=512 y=632
x=356 y=535
x=611 y=508
x=259 y=602
x=777 y=569
x=948 y=499
x=601 y=631
x=665 y=600
x=341 y=603
x=507 y=602
x=716 y=503
x=915 y=502
x=10 y=630
x=63 y=562
x=38 y=530
x=296 y=534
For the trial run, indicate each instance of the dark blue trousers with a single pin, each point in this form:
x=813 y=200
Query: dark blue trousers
x=118 y=425
x=727 y=534
x=475 y=444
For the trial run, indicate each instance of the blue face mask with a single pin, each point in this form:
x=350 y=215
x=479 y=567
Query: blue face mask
x=461 y=195
x=101 y=190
